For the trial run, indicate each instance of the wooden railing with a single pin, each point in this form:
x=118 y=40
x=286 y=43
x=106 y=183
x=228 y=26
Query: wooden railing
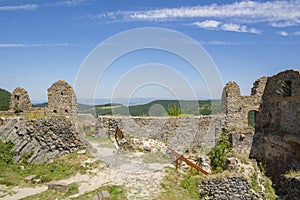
x=178 y=157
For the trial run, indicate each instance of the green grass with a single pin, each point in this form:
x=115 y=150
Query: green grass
x=176 y=186
x=292 y=174
x=50 y=194
x=116 y=193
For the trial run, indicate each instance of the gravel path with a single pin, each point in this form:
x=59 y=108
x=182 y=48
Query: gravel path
x=141 y=180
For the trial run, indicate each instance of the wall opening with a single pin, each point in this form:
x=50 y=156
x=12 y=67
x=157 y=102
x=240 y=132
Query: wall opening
x=55 y=111
x=251 y=118
x=285 y=88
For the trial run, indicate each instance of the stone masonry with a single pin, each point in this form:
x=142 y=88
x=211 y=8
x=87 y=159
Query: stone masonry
x=277 y=129
x=41 y=140
x=62 y=99
x=236 y=106
x=19 y=101
x=226 y=189
x=179 y=133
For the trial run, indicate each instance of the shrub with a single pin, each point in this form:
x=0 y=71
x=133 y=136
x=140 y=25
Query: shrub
x=173 y=110
x=218 y=154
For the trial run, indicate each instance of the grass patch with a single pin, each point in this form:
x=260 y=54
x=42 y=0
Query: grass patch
x=292 y=174
x=116 y=193
x=179 y=186
x=50 y=194
x=60 y=168
x=103 y=142
x=34 y=115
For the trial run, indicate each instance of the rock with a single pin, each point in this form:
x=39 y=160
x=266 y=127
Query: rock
x=146 y=148
x=58 y=186
x=82 y=151
x=38 y=180
x=29 y=179
x=104 y=195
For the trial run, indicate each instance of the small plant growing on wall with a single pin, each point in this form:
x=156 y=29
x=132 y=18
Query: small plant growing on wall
x=173 y=110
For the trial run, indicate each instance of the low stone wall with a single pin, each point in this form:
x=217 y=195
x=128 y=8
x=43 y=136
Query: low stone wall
x=291 y=189
x=41 y=140
x=226 y=189
x=178 y=132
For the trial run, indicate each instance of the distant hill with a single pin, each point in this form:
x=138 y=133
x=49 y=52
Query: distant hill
x=4 y=100
x=155 y=108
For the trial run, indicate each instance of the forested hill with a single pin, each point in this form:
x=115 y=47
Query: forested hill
x=157 y=108
x=4 y=100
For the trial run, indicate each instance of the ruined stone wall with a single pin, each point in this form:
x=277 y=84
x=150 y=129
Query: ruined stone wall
x=178 y=132
x=226 y=188
x=41 y=139
x=20 y=101
x=277 y=133
x=62 y=99
x=236 y=107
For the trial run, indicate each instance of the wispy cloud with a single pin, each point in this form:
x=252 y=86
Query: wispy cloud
x=297 y=33
x=219 y=43
x=11 y=45
x=68 y=3
x=217 y=25
x=19 y=7
x=282 y=33
x=275 y=13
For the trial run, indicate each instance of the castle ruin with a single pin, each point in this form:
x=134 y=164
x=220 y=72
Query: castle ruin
x=62 y=99
x=20 y=101
x=237 y=107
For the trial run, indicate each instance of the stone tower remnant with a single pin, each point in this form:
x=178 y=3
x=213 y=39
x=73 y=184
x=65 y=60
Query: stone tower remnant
x=62 y=99
x=237 y=107
x=20 y=101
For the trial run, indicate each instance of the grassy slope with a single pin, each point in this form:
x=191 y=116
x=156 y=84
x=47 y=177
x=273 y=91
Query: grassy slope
x=4 y=100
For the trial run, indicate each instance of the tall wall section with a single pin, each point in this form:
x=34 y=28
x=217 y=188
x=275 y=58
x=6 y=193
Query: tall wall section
x=236 y=107
x=180 y=133
x=277 y=133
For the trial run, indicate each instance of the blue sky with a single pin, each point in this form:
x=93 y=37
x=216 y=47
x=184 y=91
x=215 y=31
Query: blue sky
x=44 y=41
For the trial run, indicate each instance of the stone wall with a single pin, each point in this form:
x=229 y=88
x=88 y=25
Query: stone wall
x=277 y=133
x=62 y=99
x=291 y=189
x=226 y=189
x=20 y=101
x=236 y=107
x=178 y=132
x=42 y=139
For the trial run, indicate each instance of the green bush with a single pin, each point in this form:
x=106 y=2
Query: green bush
x=173 y=110
x=218 y=154
x=6 y=153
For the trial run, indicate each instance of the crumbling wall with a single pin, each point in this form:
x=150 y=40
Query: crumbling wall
x=41 y=140
x=62 y=99
x=277 y=132
x=20 y=101
x=236 y=107
x=178 y=132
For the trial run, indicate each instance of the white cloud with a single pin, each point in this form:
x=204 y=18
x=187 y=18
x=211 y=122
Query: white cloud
x=273 y=12
x=217 y=25
x=283 y=33
x=68 y=3
x=297 y=33
x=19 y=7
x=10 y=45
x=218 y=43
x=208 y=24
